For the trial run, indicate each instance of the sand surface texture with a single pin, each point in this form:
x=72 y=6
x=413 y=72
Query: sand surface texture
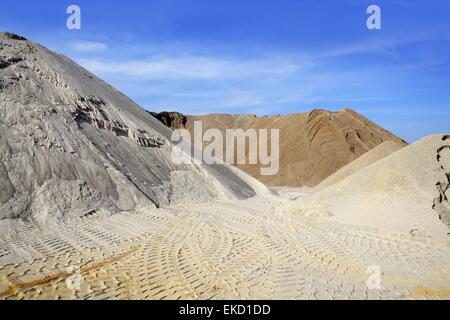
x=221 y=249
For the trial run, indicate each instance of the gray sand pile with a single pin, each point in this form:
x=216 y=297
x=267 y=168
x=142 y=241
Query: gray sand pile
x=72 y=144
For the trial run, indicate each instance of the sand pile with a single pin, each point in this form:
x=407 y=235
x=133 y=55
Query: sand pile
x=72 y=144
x=313 y=145
x=379 y=152
x=406 y=192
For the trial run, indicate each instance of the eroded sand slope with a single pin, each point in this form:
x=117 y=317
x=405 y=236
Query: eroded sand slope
x=71 y=144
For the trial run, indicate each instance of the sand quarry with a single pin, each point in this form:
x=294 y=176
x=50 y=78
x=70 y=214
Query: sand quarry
x=288 y=245
x=91 y=206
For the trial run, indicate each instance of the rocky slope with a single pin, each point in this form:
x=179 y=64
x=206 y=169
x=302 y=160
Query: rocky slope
x=313 y=145
x=70 y=144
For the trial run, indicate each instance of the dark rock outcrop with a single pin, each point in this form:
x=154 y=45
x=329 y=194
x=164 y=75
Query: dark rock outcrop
x=173 y=120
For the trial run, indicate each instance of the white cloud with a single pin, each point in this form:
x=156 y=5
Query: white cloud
x=89 y=46
x=382 y=44
x=190 y=67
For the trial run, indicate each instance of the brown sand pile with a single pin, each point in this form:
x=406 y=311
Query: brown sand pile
x=313 y=145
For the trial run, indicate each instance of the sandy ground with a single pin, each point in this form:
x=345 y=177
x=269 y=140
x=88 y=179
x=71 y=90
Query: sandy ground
x=250 y=249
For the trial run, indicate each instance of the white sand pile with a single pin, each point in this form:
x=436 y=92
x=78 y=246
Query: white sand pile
x=379 y=152
x=398 y=193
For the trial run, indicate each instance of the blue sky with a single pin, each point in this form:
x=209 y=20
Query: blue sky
x=260 y=57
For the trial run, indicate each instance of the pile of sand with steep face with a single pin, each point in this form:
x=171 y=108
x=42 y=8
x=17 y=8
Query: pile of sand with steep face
x=71 y=144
